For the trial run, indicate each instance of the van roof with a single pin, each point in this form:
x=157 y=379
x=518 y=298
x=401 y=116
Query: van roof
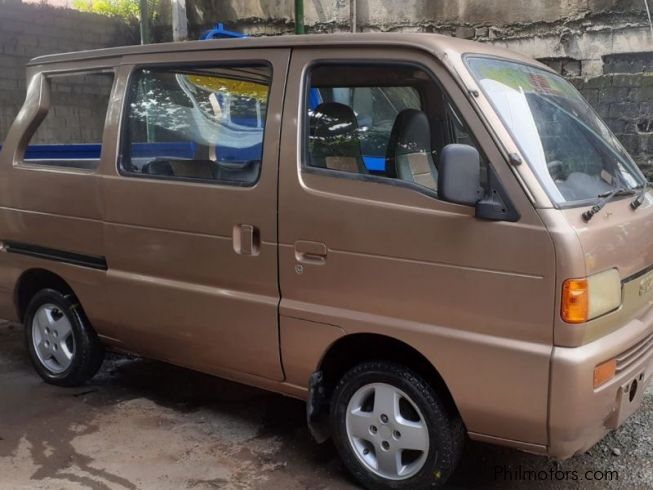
x=433 y=43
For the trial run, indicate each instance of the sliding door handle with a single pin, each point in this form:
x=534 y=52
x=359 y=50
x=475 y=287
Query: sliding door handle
x=246 y=240
x=314 y=253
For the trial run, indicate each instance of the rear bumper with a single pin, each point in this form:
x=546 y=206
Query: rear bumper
x=580 y=415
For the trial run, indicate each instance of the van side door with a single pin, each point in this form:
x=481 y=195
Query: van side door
x=367 y=245
x=190 y=210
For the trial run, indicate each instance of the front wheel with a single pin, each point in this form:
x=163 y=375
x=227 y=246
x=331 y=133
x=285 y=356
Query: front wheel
x=392 y=430
x=63 y=346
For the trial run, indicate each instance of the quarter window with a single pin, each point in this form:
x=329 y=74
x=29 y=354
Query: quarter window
x=203 y=124
x=70 y=135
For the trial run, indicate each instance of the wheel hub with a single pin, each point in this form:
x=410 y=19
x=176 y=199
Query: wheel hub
x=52 y=336
x=387 y=431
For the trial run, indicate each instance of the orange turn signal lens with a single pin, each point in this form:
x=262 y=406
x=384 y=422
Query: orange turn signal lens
x=575 y=301
x=604 y=372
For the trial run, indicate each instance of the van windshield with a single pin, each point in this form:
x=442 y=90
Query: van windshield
x=573 y=153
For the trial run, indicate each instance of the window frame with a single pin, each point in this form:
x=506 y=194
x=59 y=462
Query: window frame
x=171 y=66
x=52 y=163
x=304 y=131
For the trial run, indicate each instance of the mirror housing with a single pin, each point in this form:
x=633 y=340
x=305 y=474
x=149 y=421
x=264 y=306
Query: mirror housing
x=495 y=205
x=459 y=174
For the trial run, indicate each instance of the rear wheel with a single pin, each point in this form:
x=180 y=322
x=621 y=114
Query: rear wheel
x=63 y=347
x=392 y=430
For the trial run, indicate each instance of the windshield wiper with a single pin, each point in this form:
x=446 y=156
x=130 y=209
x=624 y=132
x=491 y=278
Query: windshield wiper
x=605 y=198
x=640 y=197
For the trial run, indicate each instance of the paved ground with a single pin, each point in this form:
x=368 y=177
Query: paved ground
x=146 y=425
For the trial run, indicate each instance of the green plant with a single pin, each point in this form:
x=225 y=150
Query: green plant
x=126 y=9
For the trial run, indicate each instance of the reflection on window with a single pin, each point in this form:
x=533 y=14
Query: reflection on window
x=204 y=124
x=389 y=121
x=375 y=110
x=571 y=150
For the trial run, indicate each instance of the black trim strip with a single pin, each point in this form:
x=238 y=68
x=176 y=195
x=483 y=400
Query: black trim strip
x=91 y=261
x=637 y=275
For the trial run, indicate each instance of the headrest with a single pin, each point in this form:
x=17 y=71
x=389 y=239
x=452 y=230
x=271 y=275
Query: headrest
x=411 y=133
x=333 y=119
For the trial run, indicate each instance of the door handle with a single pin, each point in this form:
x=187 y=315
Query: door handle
x=307 y=252
x=246 y=240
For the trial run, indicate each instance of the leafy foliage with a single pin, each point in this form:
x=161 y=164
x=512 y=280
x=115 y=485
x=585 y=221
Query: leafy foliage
x=126 y=9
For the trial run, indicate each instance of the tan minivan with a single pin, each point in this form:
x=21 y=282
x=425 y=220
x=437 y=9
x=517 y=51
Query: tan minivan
x=422 y=237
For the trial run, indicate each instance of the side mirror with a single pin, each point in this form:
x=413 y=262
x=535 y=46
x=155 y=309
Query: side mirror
x=459 y=174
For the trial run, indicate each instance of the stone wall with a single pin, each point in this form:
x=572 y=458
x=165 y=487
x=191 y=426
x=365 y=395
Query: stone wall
x=32 y=30
x=580 y=30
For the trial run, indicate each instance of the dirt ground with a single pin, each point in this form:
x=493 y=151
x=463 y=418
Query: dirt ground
x=146 y=425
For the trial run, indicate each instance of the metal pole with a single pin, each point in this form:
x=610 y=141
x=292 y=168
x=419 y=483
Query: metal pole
x=648 y=12
x=352 y=15
x=145 y=23
x=299 y=17
x=179 y=20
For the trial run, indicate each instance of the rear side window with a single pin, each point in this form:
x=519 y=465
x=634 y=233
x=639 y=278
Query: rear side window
x=197 y=124
x=70 y=135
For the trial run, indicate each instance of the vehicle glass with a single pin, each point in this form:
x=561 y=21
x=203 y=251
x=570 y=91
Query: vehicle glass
x=459 y=133
x=196 y=123
x=574 y=154
x=389 y=121
x=70 y=134
x=376 y=109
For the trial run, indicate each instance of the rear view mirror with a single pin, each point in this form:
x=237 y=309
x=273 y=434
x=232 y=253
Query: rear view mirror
x=459 y=176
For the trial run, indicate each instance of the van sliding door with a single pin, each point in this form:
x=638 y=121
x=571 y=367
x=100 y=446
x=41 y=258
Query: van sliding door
x=190 y=216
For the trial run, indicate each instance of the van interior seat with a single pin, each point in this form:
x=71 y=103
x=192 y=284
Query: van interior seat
x=334 y=139
x=193 y=169
x=160 y=166
x=232 y=172
x=409 y=155
x=173 y=167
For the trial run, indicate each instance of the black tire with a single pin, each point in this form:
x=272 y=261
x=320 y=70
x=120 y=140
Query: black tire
x=88 y=350
x=446 y=433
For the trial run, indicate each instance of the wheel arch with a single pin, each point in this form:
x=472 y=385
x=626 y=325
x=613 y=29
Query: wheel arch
x=31 y=282
x=352 y=349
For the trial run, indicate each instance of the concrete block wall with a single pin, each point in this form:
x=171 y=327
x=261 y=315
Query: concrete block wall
x=30 y=30
x=77 y=112
x=623 y=97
